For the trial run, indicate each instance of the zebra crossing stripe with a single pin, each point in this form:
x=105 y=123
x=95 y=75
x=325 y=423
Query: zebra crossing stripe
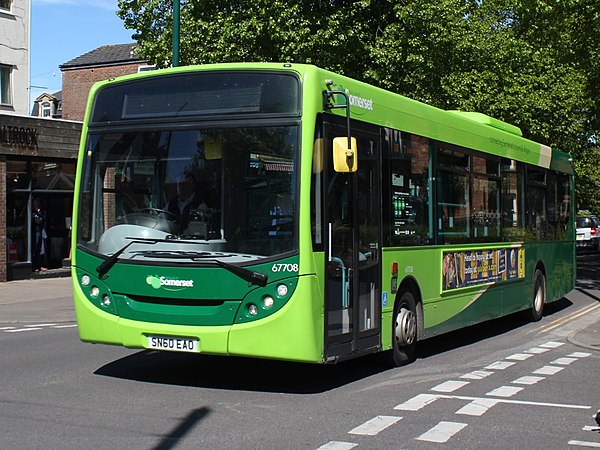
x=442 y=432
x=337 y=445
x=375 y=426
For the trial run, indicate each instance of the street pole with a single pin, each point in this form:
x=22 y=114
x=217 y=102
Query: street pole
x=175 y=33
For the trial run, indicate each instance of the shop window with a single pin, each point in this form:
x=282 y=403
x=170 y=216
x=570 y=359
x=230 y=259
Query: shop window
x=5 y=4
x=5 y=85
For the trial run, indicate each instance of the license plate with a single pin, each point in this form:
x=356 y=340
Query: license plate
x=174 y=344
x=580 y=236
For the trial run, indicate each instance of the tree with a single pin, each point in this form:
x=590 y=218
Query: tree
x=533 y=63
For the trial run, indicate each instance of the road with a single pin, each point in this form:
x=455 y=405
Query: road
x=504 y=384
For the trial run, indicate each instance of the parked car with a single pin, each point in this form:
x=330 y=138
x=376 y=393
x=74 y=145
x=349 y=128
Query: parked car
x=588 y=232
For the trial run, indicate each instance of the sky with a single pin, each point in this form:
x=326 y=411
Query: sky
x=62 y=30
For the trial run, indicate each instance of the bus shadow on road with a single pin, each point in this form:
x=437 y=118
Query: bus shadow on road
x=239 y=374
x=486 y=330
x=247 y=374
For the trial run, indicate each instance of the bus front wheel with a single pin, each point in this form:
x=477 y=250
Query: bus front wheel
x=539 y=295
x=404 y=328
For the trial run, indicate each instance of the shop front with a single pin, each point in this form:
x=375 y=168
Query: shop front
x=37 y=167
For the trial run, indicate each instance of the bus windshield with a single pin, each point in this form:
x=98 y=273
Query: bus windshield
x=227 y=192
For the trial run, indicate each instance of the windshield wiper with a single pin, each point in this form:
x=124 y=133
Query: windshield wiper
x=174 y=254
x=251 y=276
x=103 y=268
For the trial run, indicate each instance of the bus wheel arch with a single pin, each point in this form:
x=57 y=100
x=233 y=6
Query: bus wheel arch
x=407 y=323
x=539 y=293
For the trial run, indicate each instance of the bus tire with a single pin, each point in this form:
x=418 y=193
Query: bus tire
x=404 y=329
x=539 y=295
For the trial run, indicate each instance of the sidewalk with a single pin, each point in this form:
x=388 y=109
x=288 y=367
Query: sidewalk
x=588 y=337
x=37 y=301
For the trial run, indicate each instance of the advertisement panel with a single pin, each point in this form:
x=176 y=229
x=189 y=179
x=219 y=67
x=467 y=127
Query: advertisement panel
x=473 y=267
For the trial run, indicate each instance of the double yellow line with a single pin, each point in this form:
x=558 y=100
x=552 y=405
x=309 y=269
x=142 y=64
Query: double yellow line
x=570 y=317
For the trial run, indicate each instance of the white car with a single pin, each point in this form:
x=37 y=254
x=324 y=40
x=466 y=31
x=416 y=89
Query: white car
x=588 y=232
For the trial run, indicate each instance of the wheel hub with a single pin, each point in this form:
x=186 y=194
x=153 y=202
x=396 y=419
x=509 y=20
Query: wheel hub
x=406 y=327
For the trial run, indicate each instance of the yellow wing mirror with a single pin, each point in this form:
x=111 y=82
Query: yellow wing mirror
x=345 y=157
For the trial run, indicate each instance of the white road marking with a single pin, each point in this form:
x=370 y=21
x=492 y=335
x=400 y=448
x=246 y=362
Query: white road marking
x=505 y=391
x=40 y=325
x=552 y=344
x=417 y=402
x=579 y=355
x=477 y=375
x=537 y=350
x=564 y=361
x=449 y=386
x=585 y=444
x=18 y=330
x=337 y=445
x=516 y=402
x=528 y=380
x=442 y=432
x=375 y=426
x=590 y=428
x=500 y=365
x=477 y=407
x=6 y=328
x=520 y=356
x=66 y=326
x=548 y=370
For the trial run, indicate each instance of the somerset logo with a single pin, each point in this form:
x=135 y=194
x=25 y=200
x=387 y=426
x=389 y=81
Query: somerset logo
x=172 y=284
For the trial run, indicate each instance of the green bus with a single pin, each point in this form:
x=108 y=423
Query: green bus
x=283 y=211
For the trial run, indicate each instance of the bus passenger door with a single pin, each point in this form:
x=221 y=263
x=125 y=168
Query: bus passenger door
x=353 y=230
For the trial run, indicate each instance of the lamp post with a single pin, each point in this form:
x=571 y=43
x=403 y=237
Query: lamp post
x=175 y=33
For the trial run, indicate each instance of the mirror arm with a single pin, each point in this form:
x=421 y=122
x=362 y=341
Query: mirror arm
x=327 y=95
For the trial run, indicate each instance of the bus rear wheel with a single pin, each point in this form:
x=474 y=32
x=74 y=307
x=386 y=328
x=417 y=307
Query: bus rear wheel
x=404 y=329
x=539 y=295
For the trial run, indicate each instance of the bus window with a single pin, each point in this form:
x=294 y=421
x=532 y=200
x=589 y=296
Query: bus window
x=407 y=190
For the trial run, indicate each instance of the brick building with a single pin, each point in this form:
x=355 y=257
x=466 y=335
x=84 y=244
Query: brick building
x=79 y=74
x=38 y=154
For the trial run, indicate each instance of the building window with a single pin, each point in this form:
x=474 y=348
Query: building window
x=5 y=4
x=46 y=109
x=5 y=88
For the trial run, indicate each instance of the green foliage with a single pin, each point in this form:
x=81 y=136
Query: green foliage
x=533 y=63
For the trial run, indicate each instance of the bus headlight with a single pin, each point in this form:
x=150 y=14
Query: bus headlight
x=282 y=290
x=268 y=301
x=105 y=300
x=85 y=280
x=252 y=309
x=95 y=291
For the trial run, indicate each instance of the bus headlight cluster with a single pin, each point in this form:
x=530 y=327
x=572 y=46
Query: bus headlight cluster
x=266 y=301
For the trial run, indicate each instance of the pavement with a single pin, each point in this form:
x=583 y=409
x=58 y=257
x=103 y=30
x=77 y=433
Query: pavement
x=50 y=299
